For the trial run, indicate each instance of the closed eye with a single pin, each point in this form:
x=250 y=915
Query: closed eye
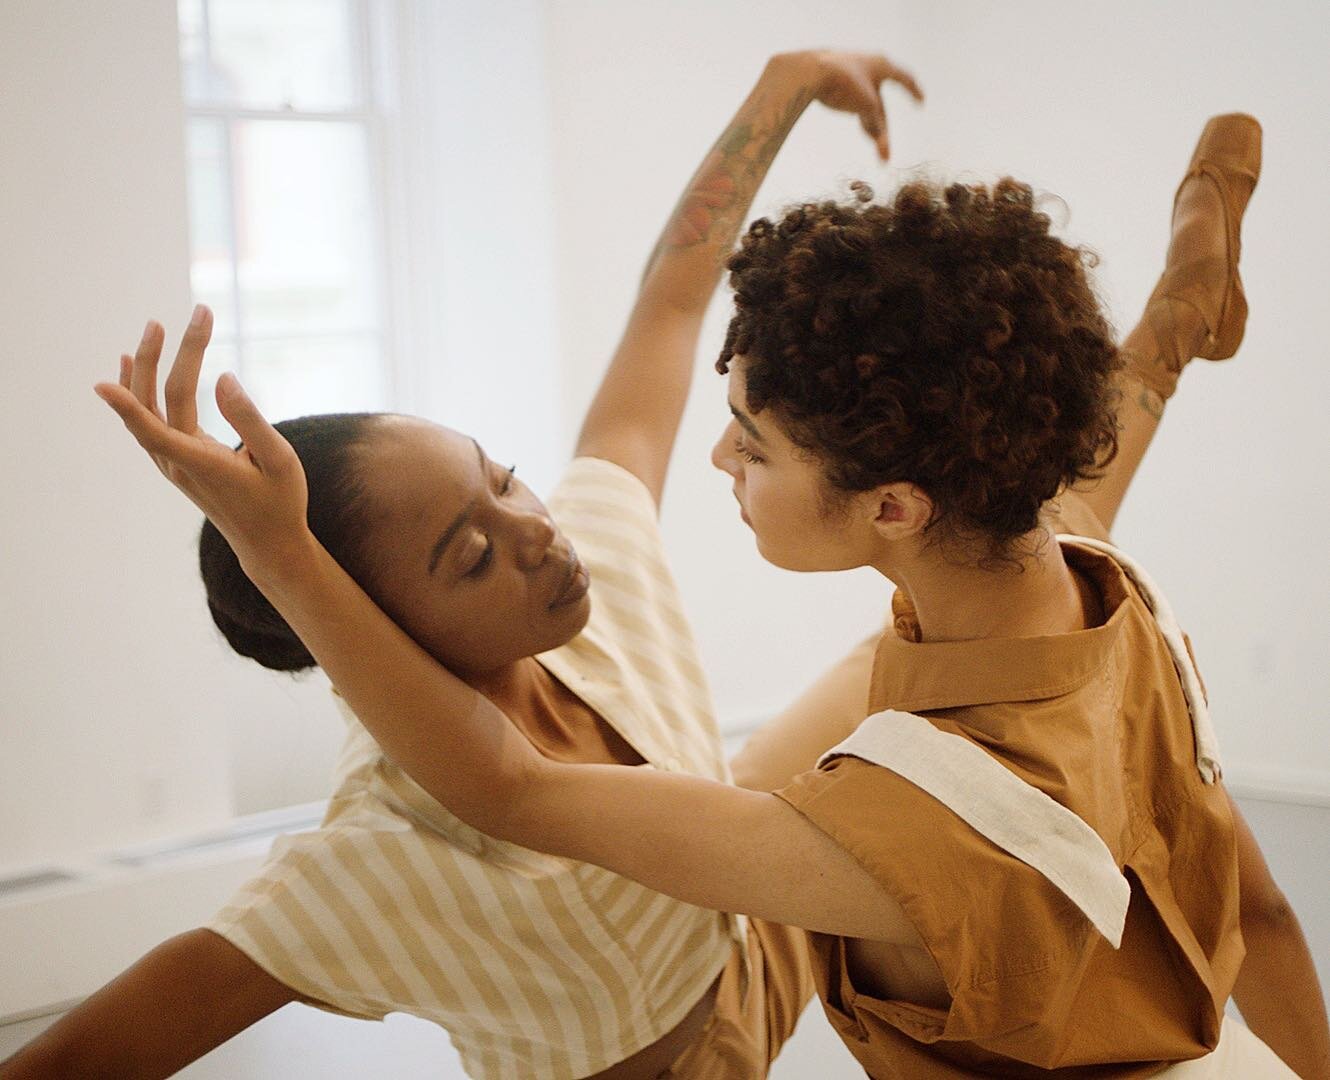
x=482 y=564
x=741 y=448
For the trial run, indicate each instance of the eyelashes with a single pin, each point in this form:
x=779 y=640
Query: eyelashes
x=482 y=564
x=741 y=448
x=487 y=556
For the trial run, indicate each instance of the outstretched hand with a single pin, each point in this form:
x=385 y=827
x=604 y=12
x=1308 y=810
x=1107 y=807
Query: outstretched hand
x=255 y=494
x=852 y=82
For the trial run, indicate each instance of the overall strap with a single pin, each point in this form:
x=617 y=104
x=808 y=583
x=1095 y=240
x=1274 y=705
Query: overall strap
x=1207 y=746
x=1000 y=806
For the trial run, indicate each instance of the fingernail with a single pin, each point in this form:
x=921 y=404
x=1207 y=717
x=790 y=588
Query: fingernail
x=147 y=333
x=200 y=311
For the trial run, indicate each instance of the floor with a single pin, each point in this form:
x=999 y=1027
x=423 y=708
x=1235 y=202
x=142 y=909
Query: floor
x=299 y=1043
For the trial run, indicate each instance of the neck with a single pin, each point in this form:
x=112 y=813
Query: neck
x=510 y=686
x=957 y=600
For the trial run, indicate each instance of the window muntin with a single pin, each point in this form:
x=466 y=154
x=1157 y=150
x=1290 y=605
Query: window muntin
x=287 y=216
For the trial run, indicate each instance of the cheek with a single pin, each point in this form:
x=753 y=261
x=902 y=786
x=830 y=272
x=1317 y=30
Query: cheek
x=776 y=513
x=789 y=525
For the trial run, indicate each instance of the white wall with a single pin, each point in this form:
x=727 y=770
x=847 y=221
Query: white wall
x=104 y=736
x=104 y=640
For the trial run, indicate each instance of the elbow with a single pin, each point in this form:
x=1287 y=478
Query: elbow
x=1265 y=909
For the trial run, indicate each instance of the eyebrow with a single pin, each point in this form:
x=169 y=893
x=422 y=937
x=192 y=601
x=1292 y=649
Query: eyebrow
x=746 y=423
x=441 y=545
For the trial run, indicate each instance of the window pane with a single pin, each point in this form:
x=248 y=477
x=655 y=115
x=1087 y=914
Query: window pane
x=193 y=49
x=315 y=375
x=305 y=228
x=210 y=223
x=298 y=54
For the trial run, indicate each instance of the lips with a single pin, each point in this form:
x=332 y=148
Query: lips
x=575 y=583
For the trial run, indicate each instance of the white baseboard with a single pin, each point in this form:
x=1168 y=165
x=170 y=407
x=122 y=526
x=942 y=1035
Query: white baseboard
x=67 y=928
x=1300 y=787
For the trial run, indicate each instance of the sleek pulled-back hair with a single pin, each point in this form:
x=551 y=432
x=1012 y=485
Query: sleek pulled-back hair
x=943 y=338
x=337 y=516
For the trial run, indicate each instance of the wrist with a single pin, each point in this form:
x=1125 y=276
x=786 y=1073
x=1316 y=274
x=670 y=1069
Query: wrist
x=278 y=565
x=803 y=68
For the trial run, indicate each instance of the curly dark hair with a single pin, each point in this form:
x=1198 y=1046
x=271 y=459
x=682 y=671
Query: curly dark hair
x=943 y=338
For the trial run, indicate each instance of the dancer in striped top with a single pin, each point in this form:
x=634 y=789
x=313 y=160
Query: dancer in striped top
x=566 y=618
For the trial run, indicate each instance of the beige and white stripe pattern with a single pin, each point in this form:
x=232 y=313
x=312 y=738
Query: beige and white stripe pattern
x=536 y=965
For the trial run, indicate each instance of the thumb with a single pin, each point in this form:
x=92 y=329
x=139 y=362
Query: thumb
x=874 y=123
x=264 y=443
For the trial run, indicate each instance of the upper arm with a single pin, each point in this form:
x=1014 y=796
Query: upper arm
x=634 y=418
x=1260 y=898
x=712 y=845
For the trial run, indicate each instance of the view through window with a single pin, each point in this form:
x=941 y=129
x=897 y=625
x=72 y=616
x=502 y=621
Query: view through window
x=286 y=213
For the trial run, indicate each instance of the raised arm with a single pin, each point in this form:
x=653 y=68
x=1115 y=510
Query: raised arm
x=703 y=842
x=187 y=996
x=635 y=415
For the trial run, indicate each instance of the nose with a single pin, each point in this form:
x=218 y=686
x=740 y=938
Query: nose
x=535 y=534
x=722 y=454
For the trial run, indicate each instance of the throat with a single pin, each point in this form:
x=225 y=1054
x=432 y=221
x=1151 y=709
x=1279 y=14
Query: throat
x=556 y=721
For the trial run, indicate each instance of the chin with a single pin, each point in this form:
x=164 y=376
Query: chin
x=573 y=621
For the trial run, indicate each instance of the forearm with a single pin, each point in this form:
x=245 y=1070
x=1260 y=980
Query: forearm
x=690 y=253
x=182 y=999
x=1279 y=995
x=646 y=386
x=1277 y=989
x=449 y=738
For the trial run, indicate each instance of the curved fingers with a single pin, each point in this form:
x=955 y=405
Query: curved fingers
x=182 y=384
x=143 y=366
x=150 y=431
x=267 y=449
x=883 y=70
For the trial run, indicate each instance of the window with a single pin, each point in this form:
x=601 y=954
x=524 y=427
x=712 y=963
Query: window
x=286 y=201
x=372 y=215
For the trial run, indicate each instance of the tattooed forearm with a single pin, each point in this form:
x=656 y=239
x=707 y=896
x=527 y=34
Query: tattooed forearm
x=713 y=205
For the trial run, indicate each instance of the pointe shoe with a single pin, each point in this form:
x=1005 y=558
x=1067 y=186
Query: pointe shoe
x=1205 y=287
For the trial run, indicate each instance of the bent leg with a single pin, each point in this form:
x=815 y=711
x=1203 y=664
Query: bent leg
x=829 y=710
x=1198 y=308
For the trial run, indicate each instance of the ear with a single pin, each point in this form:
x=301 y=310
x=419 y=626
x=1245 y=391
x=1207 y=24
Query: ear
x=900 y=510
